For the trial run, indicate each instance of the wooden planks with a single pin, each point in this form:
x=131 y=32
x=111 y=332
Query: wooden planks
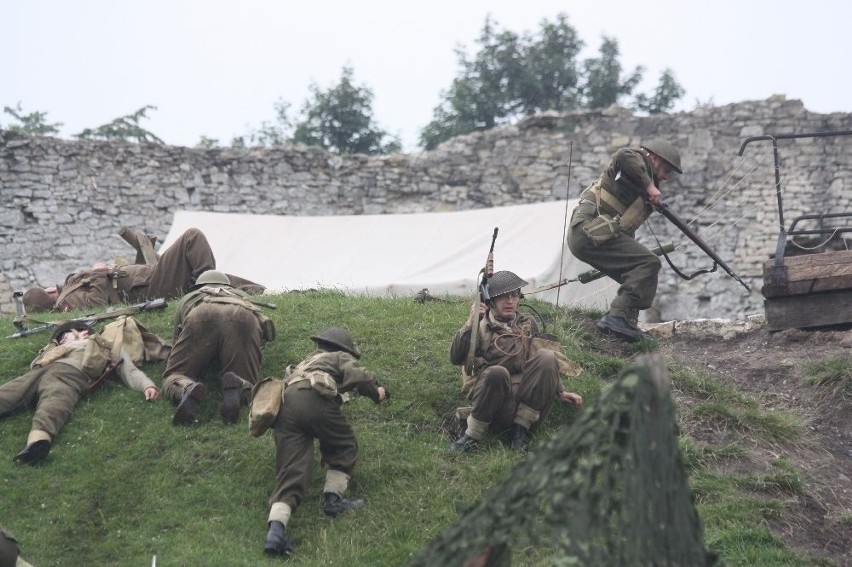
x=813 y=273
x=812 y=310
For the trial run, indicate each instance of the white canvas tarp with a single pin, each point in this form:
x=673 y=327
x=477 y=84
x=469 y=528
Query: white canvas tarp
x=398 y=255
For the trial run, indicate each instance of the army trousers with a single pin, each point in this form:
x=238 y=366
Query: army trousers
x=623 y=259
x=214 y=334
x=306 y=415
x=501 y=399
x=54 y=390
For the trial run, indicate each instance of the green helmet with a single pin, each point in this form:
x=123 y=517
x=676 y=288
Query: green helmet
x=339 y=338
x=37 y=299
x=212 y=277
x=665 y=150
x=63 y=328
x=504 y=282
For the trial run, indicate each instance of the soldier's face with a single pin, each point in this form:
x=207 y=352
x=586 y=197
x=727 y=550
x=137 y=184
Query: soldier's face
x=505 y=306
x=73 y=335
x=662 y=169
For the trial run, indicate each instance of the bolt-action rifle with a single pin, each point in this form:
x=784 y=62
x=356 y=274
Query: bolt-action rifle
x=684 y=228
x=482 y=295
x=111 y=313
x=593 y=274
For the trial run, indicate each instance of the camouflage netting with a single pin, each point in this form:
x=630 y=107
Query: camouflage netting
x=611 y=490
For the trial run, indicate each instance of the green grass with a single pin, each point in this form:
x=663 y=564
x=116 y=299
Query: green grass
x=122 y=484
x=833 y=376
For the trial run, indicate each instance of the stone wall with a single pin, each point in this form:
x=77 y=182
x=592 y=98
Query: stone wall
x=64 y=201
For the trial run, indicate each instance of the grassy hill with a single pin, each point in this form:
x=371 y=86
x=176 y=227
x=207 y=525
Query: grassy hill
x=123 y=485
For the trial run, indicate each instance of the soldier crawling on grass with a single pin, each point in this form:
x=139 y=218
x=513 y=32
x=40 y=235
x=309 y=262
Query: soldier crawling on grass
x=513 y=383
x=313 y=393
x=215 y=323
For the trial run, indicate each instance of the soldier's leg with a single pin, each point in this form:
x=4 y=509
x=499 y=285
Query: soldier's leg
x=537 y=390
x=181 y=264
x=59 y=389
x=339 y=450
x=20 y=393
x=240 y=343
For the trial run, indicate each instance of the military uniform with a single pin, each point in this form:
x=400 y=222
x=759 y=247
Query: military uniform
x=60 y=375
x=172 y=275
x=306 y=414
x=216 y=324
x=512 y=382
x=603 y=226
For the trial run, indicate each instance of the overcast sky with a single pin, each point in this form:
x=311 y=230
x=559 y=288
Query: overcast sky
x=216 y=68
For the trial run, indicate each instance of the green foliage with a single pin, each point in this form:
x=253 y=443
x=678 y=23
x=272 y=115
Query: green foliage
x=667 y=93
x=125 y=128
x=340 y=120
x=604 y=83
x=511 y=76
x=122 y=484
x=33 y=123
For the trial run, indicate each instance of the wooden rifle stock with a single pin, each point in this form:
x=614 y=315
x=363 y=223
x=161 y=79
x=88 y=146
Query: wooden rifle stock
x=684 y=228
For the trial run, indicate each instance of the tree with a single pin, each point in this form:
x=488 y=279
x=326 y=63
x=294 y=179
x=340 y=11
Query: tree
x=34 y=123
x=123 y=128
x=668 y=91
x=340 y=120
x=604 y=84
x=512 y=76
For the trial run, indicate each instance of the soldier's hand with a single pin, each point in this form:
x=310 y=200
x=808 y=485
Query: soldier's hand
x=384 y=394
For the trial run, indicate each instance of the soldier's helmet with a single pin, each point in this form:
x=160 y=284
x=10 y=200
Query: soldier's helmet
x=212 y=277
x=63 y=328
x=37 y=299
x=666 y=151
x=338 y=339
x=504 y=282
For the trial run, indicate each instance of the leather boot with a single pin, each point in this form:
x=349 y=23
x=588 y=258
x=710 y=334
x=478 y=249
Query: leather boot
x=520 y=438
x=34 y=452
x=464 y=444
x=619 y=328
x=277 y=542
x=333 y=504
x=231 y=388
x=189 y=403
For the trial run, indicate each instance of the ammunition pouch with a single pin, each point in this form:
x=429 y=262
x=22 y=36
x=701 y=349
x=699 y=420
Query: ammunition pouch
x=265 y=405
x=602 y=228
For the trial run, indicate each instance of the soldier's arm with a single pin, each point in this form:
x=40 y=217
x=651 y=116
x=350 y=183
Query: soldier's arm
x=135 y=379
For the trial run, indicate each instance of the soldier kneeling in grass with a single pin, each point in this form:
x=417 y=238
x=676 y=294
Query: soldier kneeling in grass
x=311 y=401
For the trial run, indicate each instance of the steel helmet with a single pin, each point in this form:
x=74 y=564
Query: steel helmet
x=666 y=151
x=504 y=282
x=63 y=328
x=337 y=337
x=37 y=299
x=212 y=277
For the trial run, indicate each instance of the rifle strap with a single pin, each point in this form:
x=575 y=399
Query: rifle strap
x=672 y=265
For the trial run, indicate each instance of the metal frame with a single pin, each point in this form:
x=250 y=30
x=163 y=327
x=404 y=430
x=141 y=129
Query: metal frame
x=778 y=272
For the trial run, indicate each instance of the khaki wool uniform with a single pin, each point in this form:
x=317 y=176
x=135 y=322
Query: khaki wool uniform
x=305 y=415
x=620 y=193
x=511 y=383
x=214 y=324
x=60 y=375
x=174 y=273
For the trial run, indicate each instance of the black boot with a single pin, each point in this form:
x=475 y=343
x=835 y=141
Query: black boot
x=189 y=403
x=333 y=505
x=464 y=444
x=520 y=438
x=619 y=328
x=277 y=542
x=34 y=452
x=231 y=390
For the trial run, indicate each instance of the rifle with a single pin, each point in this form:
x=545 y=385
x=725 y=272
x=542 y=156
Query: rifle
x=481 y=295
x=110 y=313
x=593 y=274
x=684 y=228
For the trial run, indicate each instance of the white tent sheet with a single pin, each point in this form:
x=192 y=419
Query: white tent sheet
x=398 y=255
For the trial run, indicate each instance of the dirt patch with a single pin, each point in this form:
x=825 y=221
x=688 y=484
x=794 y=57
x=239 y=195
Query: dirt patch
x=770 y=367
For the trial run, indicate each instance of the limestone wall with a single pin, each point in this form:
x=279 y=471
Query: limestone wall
x=64 y=201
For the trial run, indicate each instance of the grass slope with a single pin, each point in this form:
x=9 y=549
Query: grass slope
x=122 y=485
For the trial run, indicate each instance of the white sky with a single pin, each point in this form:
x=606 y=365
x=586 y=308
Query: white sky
x=216 y=68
